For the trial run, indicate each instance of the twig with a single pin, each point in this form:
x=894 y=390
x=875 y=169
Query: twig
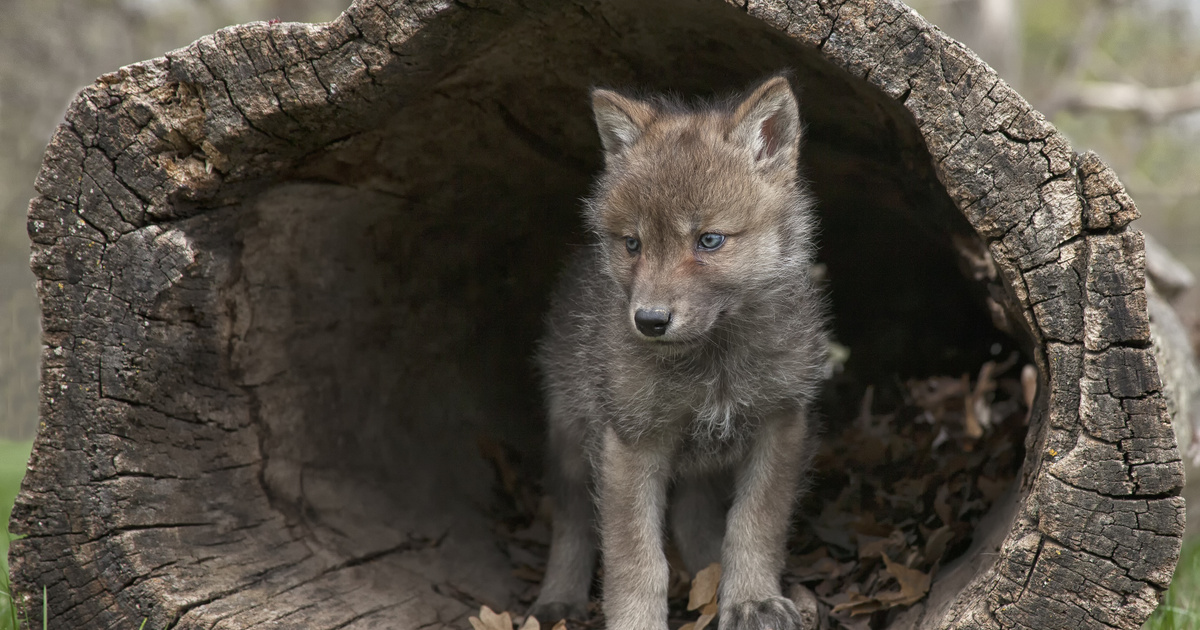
x=1154 y=104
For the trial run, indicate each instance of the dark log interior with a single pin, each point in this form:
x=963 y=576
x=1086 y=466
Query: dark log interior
x=391 y=285
x=343 y=295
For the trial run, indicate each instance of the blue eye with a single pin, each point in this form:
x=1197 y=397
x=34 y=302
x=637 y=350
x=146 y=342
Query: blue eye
x=711 y=241
x=632 y=244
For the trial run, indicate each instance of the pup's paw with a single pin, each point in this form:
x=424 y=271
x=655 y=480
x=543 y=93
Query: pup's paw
x=550 y=612
x=775 y=613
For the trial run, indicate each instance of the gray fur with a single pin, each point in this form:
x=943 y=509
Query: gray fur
x=718 y=405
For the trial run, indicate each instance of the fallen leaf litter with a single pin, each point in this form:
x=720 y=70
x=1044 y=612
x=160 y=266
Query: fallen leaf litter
x=896 y=494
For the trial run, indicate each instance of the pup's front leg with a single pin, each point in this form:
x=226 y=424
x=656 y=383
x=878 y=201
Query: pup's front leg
x=632 y=480
x=755 y=536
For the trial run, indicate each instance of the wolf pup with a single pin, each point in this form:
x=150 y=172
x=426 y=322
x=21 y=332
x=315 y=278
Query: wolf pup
x=683 y=349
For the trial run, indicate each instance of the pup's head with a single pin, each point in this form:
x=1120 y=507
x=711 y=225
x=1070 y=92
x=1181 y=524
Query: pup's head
x=699 y=212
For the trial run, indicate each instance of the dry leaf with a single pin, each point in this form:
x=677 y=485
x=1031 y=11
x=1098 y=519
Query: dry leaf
x=858 y=604
x=866 y=524
x=914 y=584
x=836 y=599
x=809 y=558
x=955 y=482
x=833 y=526
x=823 y=569
x=972 y=427
x=941 y=505
x=942 y=438
x=912 y=489
x=906 y=478
x=812 y=566
x=932 y=394
x=864 y=407
x=986 y=384
x=936 y=543
x=879 y=546
x=561 y=625
x=978 y=410
x=975 y=416
x=1028 y=388
x=854 y=623
x=531 y=623
x=1029 y=383
x=489 y=620
x=704 y=586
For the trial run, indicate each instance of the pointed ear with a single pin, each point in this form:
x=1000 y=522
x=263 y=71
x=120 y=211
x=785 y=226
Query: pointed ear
x=620 y=120
x=767 y=123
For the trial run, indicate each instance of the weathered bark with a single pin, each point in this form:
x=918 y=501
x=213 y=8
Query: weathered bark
x=291 y=273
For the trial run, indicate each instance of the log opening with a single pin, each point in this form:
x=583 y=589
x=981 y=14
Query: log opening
x=292 y=276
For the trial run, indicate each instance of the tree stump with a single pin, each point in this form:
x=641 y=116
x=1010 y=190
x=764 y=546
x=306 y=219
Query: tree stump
x=291 y=276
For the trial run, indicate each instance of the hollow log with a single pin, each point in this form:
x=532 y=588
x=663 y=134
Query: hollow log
x=291 y=277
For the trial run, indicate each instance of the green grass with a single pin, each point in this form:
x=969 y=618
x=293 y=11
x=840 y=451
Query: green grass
x=1181 y=608
x=13 y=456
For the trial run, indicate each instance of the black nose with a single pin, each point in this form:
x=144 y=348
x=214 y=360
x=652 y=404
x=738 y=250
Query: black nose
x=652 y=322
